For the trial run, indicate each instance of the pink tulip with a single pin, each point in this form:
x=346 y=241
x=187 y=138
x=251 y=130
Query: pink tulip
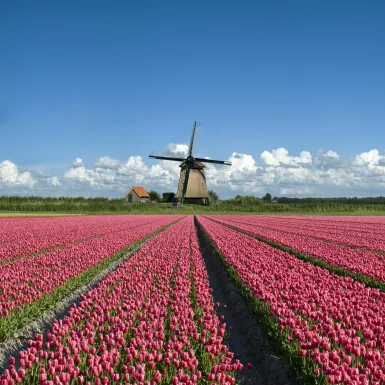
x=314 y=309
x=135 y=300
x=81 y=235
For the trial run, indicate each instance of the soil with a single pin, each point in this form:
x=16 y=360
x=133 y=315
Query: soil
x=247 y=339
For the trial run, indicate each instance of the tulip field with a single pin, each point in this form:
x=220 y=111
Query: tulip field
x=337 y=245
x=154 y=319
x=27 y=236
x=334 y=323
x=30 y=283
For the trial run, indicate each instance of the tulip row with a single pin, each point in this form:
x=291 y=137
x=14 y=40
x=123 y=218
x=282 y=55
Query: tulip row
x=152 y=321
x=353 y=233
x=334 y=323
x=27 y=236
x=362 y=263
x=30 y=285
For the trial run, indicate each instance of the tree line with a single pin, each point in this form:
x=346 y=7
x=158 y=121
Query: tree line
x=168 y=197
x=240 y=203
x=344 y=200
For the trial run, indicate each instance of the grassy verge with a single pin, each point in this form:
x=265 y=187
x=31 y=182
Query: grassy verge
x=181 y=211
x=341 y=271
x=20 y=318
x=39 y=206
x=302 y=367
x=17 y=214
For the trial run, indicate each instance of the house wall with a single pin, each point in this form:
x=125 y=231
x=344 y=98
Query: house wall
x=136 y=198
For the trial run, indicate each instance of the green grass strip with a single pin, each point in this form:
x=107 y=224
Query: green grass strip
x=300 y=367
x=341 y=271
x=20 y=318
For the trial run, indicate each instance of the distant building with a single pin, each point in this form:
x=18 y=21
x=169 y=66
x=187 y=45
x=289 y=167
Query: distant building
x=137 y=194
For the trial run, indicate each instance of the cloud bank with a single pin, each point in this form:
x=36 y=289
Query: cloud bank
x=275 y=171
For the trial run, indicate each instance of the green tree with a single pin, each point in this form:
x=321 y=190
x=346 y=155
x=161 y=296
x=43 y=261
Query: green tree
x=246 y=200
x=167 y=196
x=154 y=196
x=213 y=196
x=267 y=198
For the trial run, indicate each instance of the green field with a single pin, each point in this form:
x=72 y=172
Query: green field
x=10 y=214
x=189 y=210
x=39 y=206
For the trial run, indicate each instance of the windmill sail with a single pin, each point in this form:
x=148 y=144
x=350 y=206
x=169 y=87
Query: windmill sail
x=192 y=139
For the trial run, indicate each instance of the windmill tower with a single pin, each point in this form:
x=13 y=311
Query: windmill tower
x=192 y=186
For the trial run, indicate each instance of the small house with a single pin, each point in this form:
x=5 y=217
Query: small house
x=137 y=194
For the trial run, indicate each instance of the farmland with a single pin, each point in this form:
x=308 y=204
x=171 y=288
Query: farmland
x=205 y=299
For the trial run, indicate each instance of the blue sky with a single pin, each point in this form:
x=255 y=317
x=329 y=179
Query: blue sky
x=121 y=79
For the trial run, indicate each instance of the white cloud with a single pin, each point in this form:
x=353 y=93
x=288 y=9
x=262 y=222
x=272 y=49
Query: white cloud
x=107 y=162
x=11 y=176
x=295 y=190
x=53 y=180
x=177 y=149
x=240 y=176
x=80 y=174
x=325 y=173
x=280 y=157
x=329 y=160
x=120 y=175
x=297 y=175
x=332 y=154
x=78 y=162
x=369 y=158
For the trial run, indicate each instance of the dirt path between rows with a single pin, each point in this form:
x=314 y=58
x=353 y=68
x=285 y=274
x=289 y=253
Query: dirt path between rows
x=246 y=339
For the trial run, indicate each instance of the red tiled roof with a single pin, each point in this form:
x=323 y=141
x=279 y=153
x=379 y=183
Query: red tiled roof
x=142 y=193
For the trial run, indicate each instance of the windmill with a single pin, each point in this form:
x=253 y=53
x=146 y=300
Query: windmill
x=192 y=186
